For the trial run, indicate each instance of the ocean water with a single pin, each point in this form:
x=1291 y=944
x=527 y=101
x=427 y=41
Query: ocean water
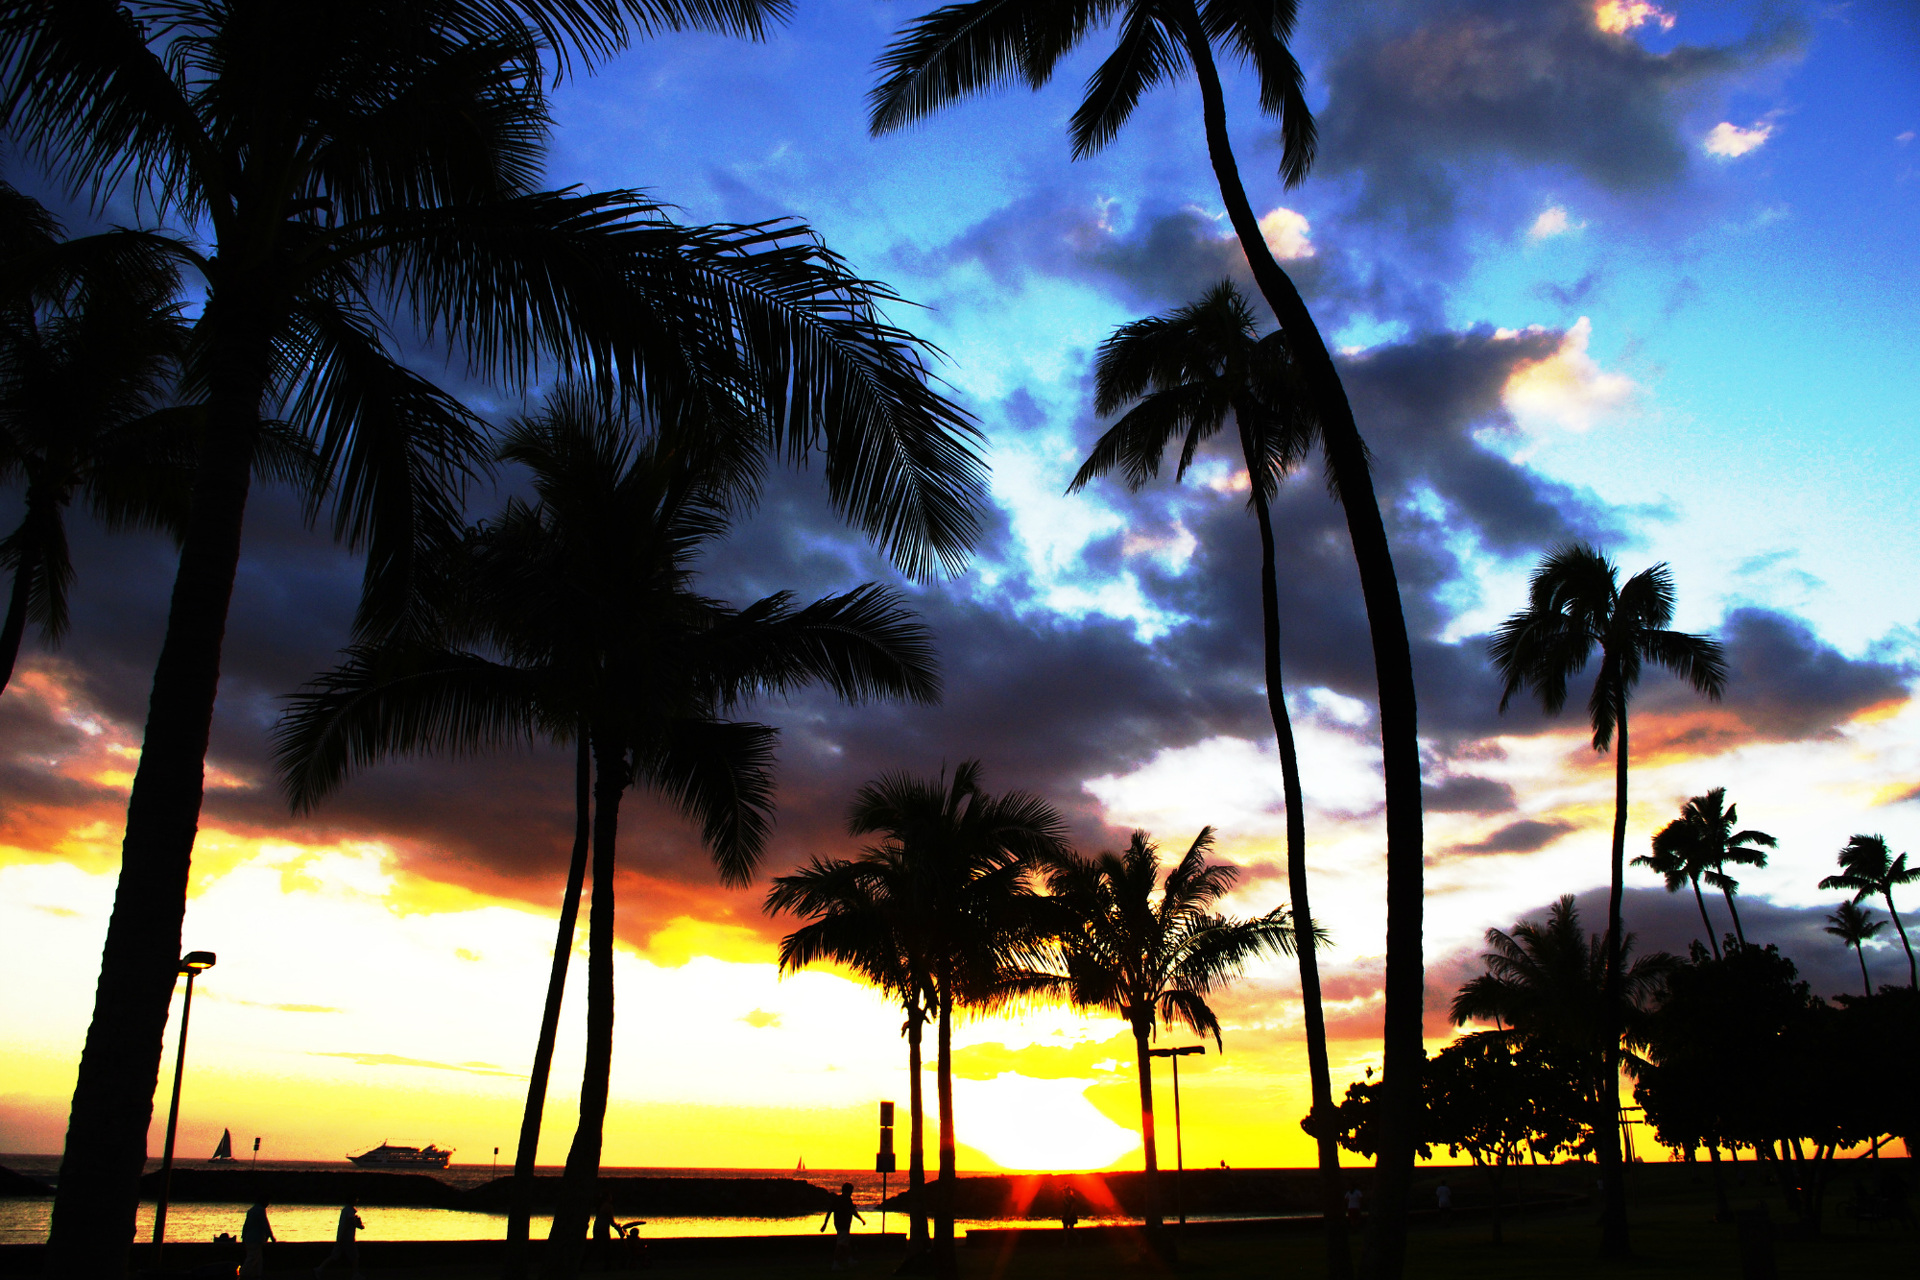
x=26 y=1221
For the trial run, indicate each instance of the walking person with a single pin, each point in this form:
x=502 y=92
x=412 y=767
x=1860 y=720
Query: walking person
x=604 y=1230
x=1355 y=1201
x=255 y=1234
x=346 y=1245
x=1443 y=1201
x=1070 y=1208
x=842 y=1215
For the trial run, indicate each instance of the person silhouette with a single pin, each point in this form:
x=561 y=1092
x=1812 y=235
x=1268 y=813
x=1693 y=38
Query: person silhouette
x=1443 y=1201
x=346 y=1247
x=842 y=1215
x=604 y=1229
x=1069 y=1208
x=1354 y=1203
x=255 y=1234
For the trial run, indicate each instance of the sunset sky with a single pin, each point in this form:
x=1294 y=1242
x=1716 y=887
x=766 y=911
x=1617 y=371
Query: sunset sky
x=1639 y=274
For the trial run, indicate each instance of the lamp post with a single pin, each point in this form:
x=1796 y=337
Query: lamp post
x=1179 y=1151
x=192 y=964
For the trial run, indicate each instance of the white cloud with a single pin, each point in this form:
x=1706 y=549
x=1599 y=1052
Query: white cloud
x=1286 y=234
x=1729 y=141
x=1553 y=221
x=1617 y=17
x=1567 y=389
x=1903 y=138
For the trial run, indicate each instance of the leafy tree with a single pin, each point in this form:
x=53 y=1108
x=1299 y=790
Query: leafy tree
x=1738 y=1051
x=90 y=343
x=1577 y=608
x=382 y=168
x=968 y=47
x=1490 y=1097
x=1869 y=867
x=862 y=913
x=1855 y=926
x=1698 y=845
x=969 y=858
x=1180 y=377
x=1152 y=951
x=1545 y=985
x=581 y=610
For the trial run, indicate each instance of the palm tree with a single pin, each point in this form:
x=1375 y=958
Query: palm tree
x=861 y=914
x=90 y=338
x=1570 y=995
x=382 y=166
x=1869 y=867
x=1152 y=952
x=582 y=610
x=1183 y=375
x=1698 y=845
x=968 y=47
x=1575 y=607
x=964 y=892
x=1855 y=927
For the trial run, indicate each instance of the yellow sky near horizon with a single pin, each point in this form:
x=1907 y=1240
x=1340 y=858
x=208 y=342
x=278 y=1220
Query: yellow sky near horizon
x=359 y=999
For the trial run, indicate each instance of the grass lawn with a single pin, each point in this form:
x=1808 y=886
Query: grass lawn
x=1673 y=1235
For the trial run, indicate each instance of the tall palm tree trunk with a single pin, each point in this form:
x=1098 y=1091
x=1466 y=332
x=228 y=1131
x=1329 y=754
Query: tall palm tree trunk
x=1739 y=933
x=1402 y=1047
x=1699 y=900
x=1613 y=1190
x=1913 y=974
x=16 y=625
x=945 y=1264
x=1151 y=1178
x=1339 y=1260
x=520 y=1207
x=916 y=1131
x=567 y=1240
x=94 y=1206
x=1860 y=953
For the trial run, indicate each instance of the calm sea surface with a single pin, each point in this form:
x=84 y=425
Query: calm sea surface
x=25 y=1221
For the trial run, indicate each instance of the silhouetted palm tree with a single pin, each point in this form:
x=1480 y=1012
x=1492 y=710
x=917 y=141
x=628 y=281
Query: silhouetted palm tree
x=1577 y=608
x=90 y=344
x=863 y=914
x=966 y=48
x=968 y=858
x=1869 y=867
x=1180 y=377
x=1855 y=926
x=1698 y=845
x=1152 y=952
x=1553 y=986
x=582 y=609
x=383 y=164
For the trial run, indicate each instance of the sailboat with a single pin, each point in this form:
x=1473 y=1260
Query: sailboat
x=802 y=1166
x=225 y=1150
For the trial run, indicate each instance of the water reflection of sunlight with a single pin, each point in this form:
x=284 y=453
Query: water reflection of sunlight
x=1024 y=1123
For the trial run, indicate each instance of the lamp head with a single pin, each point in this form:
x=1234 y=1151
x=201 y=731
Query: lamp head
x=196 y=961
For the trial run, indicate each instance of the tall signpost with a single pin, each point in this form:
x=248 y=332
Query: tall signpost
x=883 y=1161
x=1179 y=1151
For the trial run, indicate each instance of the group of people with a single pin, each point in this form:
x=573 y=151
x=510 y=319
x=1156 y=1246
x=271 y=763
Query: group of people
x=257 y=1233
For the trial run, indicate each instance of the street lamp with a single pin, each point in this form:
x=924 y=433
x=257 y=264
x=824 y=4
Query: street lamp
x=192 y=964
x=1179 y=1152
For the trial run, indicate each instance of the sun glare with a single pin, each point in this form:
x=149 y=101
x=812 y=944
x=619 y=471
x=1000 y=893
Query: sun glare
x=1021 y=1123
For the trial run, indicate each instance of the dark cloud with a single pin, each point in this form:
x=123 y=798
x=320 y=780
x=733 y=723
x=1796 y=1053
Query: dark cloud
x=1524 y=836
x=1466 y=793
x=1427 y=93
x=1669 y=922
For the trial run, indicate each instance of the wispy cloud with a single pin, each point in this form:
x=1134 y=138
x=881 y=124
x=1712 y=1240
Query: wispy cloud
x=1553 y=221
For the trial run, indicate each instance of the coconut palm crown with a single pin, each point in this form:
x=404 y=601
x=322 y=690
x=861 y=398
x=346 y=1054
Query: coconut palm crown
x=1153 y=950
x=1869 y=867
x=1855 y=926
x=1698 y=845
